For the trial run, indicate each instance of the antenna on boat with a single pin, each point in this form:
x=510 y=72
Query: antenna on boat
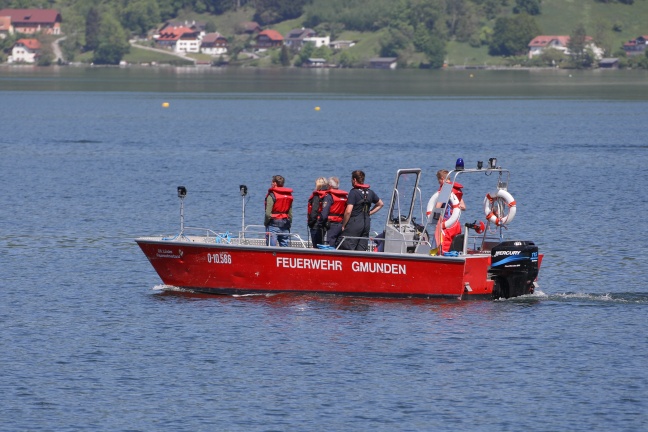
x=182 y=193
x=243 y=190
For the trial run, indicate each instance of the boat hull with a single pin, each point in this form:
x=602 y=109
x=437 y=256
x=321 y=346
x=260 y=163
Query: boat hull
x=226 y=269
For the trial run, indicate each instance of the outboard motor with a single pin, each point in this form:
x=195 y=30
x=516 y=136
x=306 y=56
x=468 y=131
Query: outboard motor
x=514 y=268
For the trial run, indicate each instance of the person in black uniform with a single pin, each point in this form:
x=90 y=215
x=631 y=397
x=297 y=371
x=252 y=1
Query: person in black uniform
x=316 y=204
x=357 y=215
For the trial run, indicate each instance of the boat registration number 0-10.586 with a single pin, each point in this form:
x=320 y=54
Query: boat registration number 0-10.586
x=219 y=258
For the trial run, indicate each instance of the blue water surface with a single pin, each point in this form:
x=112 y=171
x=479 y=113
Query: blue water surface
x=90 y=339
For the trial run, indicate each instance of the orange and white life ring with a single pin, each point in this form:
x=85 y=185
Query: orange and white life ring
x=456 y=211
x=493 y=208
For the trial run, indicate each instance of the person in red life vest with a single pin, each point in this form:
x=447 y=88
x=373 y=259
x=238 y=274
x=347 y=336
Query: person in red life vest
x=315 y=206
x=333 y=210
x=449 y=233
x=357 y=215
x=278 y=213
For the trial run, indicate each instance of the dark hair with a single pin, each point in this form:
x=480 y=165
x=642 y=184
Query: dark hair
x=279 y=180
x=359 y=176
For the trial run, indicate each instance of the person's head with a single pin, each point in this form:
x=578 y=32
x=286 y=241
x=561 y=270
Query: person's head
x=441 y=175
x=334 y=182
x=321 y=183
x=278 y=181
x=358 y=176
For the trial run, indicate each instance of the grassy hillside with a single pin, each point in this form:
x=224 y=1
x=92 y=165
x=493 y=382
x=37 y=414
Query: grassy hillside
x=560 y=17
x=613 y=22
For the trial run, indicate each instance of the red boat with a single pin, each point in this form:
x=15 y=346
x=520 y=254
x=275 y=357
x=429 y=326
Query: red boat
x=404 y=260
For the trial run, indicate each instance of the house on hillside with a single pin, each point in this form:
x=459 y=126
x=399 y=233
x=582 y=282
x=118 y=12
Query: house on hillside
x=269 y=39
x=315 y=63
x=248 y=27
x=179 y=39
x=190 y=24
x=30 y=21
x=5 y=27
x=383 y=63
x=636 y=46
x=25 y=51
x=560 y=43
x=342 y=44
x=214 y=44
x=318 y=41
x=295 y=37
x=609 y=63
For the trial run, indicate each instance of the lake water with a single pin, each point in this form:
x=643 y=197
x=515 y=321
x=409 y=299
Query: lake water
x=90 y=339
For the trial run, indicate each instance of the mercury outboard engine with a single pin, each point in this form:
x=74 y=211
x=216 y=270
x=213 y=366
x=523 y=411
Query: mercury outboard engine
x=514 y=268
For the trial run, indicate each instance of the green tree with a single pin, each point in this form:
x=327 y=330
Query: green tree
x=346 y=59
x=284 y=56
x=306 y=52
x=140 y=16
x=272 y=11
x=552 y=57
x=435 y=51
x=113 y=42
x=395 y=41
x=577 y=46
x=532 y=7
x=511 y=35
x=92 y=24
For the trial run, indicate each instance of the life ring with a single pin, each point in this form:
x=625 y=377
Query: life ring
x=456 y=211
x=493 y=211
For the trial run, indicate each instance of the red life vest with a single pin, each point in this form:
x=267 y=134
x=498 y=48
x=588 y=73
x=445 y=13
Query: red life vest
x=457 y=190
x=336 y=213
x=321 y=194
x=282 y=202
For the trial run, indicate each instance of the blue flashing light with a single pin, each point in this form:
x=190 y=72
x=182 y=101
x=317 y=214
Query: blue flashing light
x=459 y=166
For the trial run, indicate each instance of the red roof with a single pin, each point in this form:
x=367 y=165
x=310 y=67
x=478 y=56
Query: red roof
x=544 y=41
x=26 y=16
x=175 y=33
x=273 y=35
x=31 y=44
x=5 y=23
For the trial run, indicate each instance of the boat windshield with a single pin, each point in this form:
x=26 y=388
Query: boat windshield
x=402 y=205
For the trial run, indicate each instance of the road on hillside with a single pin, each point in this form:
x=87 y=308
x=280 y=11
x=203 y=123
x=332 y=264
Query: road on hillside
x=56 y=49
x=162 y=51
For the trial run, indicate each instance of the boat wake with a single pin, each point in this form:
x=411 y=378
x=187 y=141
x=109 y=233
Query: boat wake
x=169 y=288
x=617 y=297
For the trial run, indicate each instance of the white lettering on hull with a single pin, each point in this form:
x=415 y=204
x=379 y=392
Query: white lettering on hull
x=365 y=267
x=167 y=253
x=309 y=264
x=335 y=265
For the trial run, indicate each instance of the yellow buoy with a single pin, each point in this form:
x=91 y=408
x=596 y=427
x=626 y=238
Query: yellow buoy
x=317 y=108
x=165 y=104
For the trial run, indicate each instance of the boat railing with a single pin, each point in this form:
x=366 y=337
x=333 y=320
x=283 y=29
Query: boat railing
x=256 y=235
x=208 y=236
x=376 y=242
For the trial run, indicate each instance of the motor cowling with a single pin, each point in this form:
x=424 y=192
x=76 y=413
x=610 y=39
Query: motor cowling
x=514 y=268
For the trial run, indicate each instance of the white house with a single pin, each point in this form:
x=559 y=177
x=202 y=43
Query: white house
x=318 y=41
x=25 y=51
x=214 y=44
x=179 y=39
x=560 y=43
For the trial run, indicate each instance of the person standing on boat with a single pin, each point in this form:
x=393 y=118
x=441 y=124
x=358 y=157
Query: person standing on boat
x=445 y=236
x=278 y=213
x=357 y=215
x=333 y=211
x=315 y=206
